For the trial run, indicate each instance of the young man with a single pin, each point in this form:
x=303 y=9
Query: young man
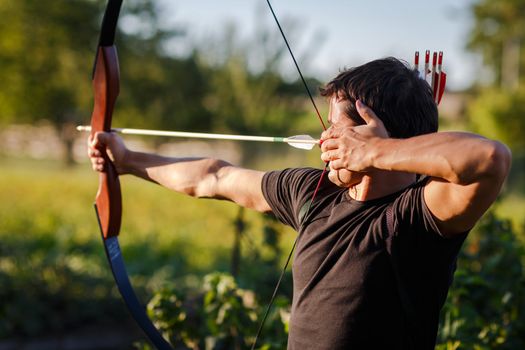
x=377 y=247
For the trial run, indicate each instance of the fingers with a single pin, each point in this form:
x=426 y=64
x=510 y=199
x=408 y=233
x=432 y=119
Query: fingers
x=105 y=148
x=331 y=138
x=332 y=176
x=329 y=144
x=92 y=152
x=327 y=156
x=337 y=164
x=334 y=158
x=98 y=164
x=366 y=113
x=96 y=150
x=97 y=160
x=331 y=132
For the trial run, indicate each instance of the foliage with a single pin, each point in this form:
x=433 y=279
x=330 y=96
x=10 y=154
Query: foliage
x=498 y=34
x=500 y=115
x=43 y=57
x=230 y=311
x=497 y=24
x=247 y=93
x=219 y=316
x=176 y=319
x=485 y=308
x=46 y=57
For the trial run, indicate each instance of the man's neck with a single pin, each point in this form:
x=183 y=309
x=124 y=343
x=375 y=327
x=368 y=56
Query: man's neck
x=381 y=184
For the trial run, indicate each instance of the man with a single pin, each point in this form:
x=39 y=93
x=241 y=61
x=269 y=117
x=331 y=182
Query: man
x=377 y=246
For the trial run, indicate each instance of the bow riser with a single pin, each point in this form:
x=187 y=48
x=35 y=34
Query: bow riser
x=106 y=90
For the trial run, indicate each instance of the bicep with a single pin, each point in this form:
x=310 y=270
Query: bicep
x=242 y=186
x=456 y=208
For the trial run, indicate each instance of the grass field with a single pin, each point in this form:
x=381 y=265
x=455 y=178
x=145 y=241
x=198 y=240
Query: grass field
x=50 y=243
x=41 y=197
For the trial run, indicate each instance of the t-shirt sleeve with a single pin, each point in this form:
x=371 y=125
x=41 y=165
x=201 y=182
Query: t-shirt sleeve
x=287 y=191
x=411 y=212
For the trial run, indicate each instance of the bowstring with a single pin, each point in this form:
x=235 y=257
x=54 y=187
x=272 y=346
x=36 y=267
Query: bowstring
x=276 y=289
x=296 y=65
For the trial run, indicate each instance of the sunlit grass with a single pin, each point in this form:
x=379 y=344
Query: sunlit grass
x=50 y=244
x=46 y=198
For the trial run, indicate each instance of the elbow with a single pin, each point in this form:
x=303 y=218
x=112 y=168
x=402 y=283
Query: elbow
x=207 y=186
x=491 y=162
x=498 y=161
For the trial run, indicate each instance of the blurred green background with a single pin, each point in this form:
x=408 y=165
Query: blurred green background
x=206 y=267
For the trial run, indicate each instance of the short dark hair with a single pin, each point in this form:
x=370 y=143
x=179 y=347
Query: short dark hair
x=395 y=92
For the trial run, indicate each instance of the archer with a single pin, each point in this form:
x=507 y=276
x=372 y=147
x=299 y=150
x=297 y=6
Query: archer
x=377 y=248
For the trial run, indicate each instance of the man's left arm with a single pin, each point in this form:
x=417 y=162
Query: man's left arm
x=466 y=171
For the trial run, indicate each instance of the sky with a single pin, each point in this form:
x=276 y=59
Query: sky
x=352 y=32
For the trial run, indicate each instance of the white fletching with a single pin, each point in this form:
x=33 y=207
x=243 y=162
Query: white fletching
x=306 y=142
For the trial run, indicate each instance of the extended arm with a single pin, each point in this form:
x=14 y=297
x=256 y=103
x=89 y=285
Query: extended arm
x=197 y=177
x=466 y=170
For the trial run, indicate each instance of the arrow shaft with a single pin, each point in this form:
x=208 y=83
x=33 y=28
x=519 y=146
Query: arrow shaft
x=201 y=135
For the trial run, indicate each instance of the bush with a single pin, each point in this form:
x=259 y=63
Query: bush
x=485 y=308
x=220 y=316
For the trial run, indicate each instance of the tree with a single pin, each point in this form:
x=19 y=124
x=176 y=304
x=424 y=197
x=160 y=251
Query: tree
x=500 y=114
x=247 y=92
x=499 y=35
x=42 y=58
x=46 y=55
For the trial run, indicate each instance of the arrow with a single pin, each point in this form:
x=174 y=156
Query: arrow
x=298 y=141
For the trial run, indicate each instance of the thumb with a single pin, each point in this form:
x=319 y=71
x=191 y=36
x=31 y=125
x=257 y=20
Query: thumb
x=100 y=139
x=366 y=113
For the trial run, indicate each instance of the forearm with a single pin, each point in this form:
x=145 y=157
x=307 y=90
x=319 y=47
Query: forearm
x=195 y=177
x=456 y=157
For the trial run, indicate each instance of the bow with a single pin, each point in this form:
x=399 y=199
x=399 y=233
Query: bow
x=108 y=202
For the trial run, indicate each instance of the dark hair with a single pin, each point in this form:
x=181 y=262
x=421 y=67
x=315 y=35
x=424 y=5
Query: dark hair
x=396 y=93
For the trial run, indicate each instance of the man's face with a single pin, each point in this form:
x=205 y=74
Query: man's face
x=337 y=116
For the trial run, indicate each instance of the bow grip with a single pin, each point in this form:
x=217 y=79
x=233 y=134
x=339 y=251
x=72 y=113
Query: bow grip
x=108 y=201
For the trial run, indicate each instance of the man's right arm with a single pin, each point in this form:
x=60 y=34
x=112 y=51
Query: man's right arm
x=196 y=177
